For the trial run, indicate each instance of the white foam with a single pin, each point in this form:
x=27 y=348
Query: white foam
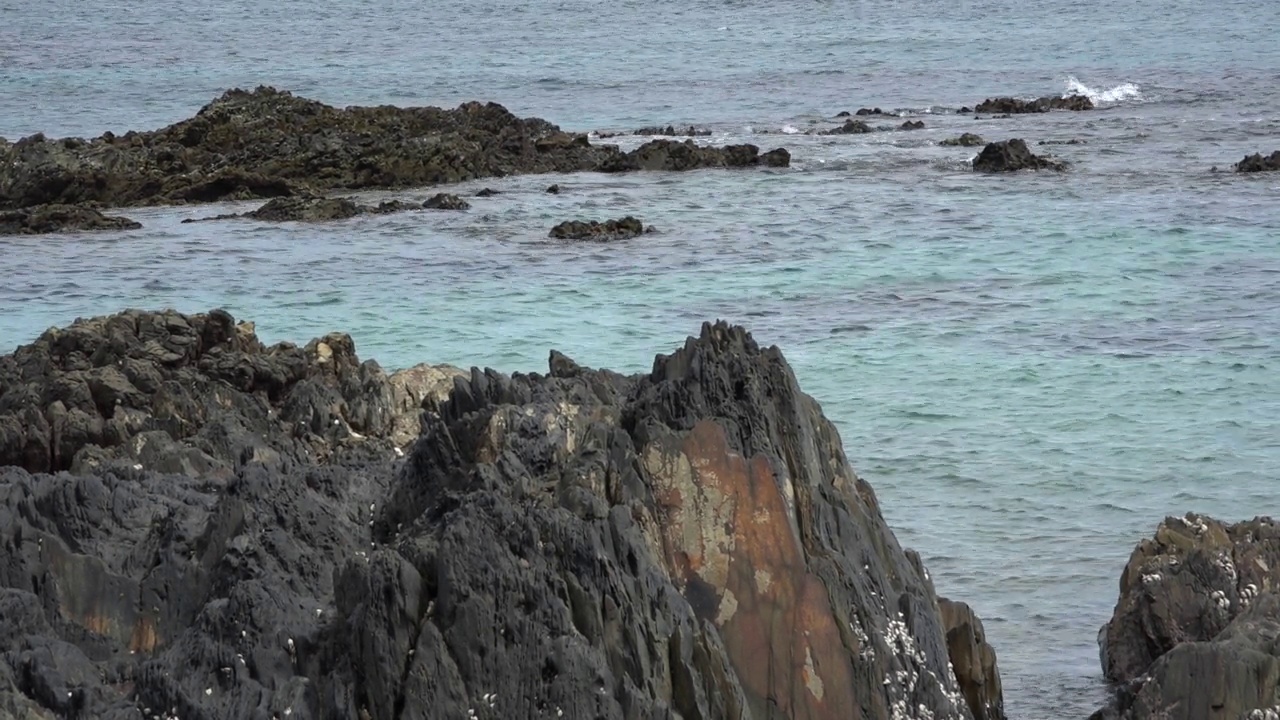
x=791 y=130
x=1119 y=93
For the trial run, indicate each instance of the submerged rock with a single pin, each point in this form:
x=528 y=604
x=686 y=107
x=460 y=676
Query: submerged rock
x=312 y=208
x=849 y=127
x=627 y=227
x=1012 y=155
x=445 y=201
x=686 y=542
x=553 y=189
x=1196 y=631
x=669 y=131
x=869 y=111
x=269 y=143
x=43 y=219
x=912 y=125
x=671 y=155
x=965 y=140
x=1258 y=162
x=1016 y=106
x=487 y=192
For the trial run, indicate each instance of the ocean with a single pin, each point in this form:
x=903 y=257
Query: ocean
x=1031 y=369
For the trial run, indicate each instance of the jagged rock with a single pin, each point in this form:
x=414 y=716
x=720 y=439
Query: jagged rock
x=445 y=201
x=310 y=208
x=869 y=111
x=487 y=192
x=965 y=140
x=688 y=542
x=849 y=127
x=1196 y=631
x=421 y=387
x=973 y=659
x=1012 y=155
x=553 y=189
x=269 y=143
x=671 y=155
x=912 y=125
x=1015 y=106
x=627 y=227
x=43 y=219
x=1258 y=162
x=670 y=131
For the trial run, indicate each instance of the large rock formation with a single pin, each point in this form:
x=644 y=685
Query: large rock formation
x=685 y=543
x=1196 y=631
x=1011 y=156
x=268 y=143
x=1015 y=106
x=1258 y=162
x=43 y=219
x=620 y=229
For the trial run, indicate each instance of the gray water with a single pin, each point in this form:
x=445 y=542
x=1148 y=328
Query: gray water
x=1031 y=370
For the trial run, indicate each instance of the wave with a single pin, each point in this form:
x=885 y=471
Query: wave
x=1119 y=93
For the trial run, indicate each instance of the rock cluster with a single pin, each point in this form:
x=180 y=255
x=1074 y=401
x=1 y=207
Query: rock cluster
x=315 y=208
x=621 y=229
x=237 y=538
x=1016 y=106
x=1012 y=155
x=42 y=219
x=1196 y=631
x=670 y=155
x=965 y=140
x=1258 y=162
x=850 y=127
x=671 y=131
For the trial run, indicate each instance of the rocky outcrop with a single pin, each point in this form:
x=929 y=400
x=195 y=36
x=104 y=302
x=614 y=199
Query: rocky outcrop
x=965 y=140
x=1010 y=156
x=973 y=659
x=1016 y=106
x=269 y=143
x=621 y=229
x=850 y=127
x=688 y=542
x=1196 y=631
x=912 y=125
x=313 y=208
x=670 y=155
x=1258 y=162
x=44 y=219
x=446 y=201
x=670 y=131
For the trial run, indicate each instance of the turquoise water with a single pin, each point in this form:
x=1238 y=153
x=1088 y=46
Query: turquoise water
x=1031 y=370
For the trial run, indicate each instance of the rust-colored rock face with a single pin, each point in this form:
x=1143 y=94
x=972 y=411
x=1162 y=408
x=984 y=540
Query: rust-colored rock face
x=730 y=543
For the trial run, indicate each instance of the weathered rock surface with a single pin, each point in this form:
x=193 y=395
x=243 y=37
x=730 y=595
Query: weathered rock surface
x=1016 y=106
x=965 y=140
x=850 y=127
x=268 y=143
x=685 y=543
x=1010 y=156
x=445 y=201
x=912 y=125
x=43 y=219
x=973 y=659
x=1196 y=631
x=671 y=155
x=670 y=131
x=621 y=229
x=313 y=208
x=1258 y=162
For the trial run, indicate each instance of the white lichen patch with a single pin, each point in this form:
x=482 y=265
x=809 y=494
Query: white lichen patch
x=763 y=581
x=811 y=678
x=728 y=608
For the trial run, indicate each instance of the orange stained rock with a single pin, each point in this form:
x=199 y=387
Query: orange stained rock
x=729 y=540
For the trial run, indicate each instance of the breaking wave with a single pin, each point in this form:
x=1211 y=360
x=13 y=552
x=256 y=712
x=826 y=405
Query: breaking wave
x=1119 y=93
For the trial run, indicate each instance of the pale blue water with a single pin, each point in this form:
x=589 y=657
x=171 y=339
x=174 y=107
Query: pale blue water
x=1031 y=370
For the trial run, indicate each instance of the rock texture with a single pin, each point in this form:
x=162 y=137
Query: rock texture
x=1015 y=106
x=312 y=208
x=1010 y=156
x=445 y=201
x=670 y=131
x=621 y=229
x=671 y=155
x=1258 y=162
x=43 y=219
x=684 y=543
x=965 y=140
x=850 y=127
x=973 y=659
x=1196 y=631
x=268 y=143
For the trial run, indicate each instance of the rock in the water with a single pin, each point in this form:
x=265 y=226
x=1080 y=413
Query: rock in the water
x=305 y=209
x=912 y=125
x=1011 y=155
x=445 y=201
x=487 y=192
x=670 y=131
x=269 y=143
x=973 y=659
x=869 y=111
x=1196 y=631
x=627 y=227
x=850 y=127
x=1015 y=106
x=553 y=189
x=689 y=542
x=43 y=219
x=965 y=140
x=671 y=155
x=1258 y=162
x=1072 y=141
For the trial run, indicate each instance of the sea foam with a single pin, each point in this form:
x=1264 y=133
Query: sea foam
x=1119 y=93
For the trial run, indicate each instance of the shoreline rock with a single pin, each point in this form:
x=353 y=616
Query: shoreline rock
x=1017 y=106
x=965 y=140
x=576 y=544
x=49 y=219
x=268 y=143
x=1258 y=162
x=316 y=209
x=620 y=229
x=1196 y=629
x=1011 y=156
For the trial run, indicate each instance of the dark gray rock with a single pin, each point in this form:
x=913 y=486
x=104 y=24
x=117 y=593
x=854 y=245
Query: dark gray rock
x=1258 y=162
x=621 y=229
x=973 y=660
x=1016 y=106
x=1011 y=156
x=850 y=127
x=446 y=201
x=313 y=209
x=47 y=219
x=670 y=155
x=671 y=131
x=912 y=125
x=965 y=140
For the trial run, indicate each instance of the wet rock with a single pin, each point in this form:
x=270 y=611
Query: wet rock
x=849 y=127
x=1016 y=106
x=912 y=125
x=964 y=110
x=843 y=114
x=1073 y=141
x=627 y=227
x=445 y=201
x=43 y=219
x=689 y=541
x=311 y=208
x=1196 y=631
x=670 y=155
x=965 y=140
x=1012 y=155
x=487 y=192
x=268 y=143
x=669 y=131
x=973 y=659
x=553 y=189
x=869 y=111
x=1258 y=162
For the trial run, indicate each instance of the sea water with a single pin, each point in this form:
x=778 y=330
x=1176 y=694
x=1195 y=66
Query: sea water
x=1032 y=370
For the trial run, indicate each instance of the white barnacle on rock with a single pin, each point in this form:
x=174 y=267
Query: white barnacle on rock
x=1247 y=594
x=1151 y=579
x=1219 y=598
x=289 y=643
x=1224 y=562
